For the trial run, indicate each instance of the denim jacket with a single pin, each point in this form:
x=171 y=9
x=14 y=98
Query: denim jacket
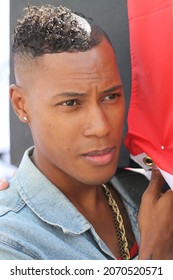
x=37 y=221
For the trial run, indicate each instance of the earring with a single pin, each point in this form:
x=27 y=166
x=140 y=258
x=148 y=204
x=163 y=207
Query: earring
x=25 y=118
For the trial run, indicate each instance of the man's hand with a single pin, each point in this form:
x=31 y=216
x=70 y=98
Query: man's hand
x=3 y=184
x=155 y=220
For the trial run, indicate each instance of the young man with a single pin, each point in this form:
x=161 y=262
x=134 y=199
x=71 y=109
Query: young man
x=64 y=201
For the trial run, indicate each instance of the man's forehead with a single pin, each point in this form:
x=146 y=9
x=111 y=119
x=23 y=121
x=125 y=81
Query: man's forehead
x=65 y=62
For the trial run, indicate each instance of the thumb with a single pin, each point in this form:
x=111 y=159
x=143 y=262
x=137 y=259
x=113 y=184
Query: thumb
x=156 y=183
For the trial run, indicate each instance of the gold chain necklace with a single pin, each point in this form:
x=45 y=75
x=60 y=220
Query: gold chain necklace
x=119 y=225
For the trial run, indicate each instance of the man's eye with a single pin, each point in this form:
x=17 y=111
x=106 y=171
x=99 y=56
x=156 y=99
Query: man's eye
x=70 y=103
x=112 y=96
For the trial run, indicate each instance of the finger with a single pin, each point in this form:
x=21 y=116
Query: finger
x=156 y=183
x=3 y=184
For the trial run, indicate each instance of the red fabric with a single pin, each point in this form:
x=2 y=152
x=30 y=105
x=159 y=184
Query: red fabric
x=150 y=118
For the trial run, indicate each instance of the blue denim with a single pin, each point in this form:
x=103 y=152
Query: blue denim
x=37 y=221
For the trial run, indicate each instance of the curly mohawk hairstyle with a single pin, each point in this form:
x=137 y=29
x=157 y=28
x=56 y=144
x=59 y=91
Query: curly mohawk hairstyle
x=48 y=29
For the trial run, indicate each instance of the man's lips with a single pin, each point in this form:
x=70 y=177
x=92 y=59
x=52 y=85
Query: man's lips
x=99 y=152
x=101 y=156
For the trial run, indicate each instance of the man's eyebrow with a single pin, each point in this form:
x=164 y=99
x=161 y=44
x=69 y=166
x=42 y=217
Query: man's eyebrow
x=112 y=89
x=69 y=94
x=80 y=94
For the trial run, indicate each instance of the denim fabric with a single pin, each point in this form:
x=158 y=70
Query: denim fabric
x=37 y=221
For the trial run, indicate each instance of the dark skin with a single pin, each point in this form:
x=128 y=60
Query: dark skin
x=80 y=92
x=155 y=220
x=100 y=216
x=83 y=92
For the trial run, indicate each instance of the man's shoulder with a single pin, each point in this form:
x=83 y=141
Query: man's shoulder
x=17 y=227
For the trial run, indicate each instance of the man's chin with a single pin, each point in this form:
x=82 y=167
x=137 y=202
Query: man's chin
x=100 y=180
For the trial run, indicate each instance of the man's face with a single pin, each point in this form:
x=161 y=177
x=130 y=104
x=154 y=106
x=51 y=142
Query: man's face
x=76 y=110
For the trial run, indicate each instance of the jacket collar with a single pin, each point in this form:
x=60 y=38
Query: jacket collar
x=46 y=200
x=51 y=205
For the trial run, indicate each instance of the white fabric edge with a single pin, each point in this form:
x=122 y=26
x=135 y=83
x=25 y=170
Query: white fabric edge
x=140 y=160
x=168 y=178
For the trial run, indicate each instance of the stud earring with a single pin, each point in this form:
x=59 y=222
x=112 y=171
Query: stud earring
x=25 y=118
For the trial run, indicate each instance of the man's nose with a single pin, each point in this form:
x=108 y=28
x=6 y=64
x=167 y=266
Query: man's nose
x=97 y=122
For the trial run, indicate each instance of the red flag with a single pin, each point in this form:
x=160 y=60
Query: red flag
x=150 y=118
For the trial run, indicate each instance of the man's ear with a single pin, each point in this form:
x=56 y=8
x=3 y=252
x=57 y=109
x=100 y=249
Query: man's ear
x=18 y=102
